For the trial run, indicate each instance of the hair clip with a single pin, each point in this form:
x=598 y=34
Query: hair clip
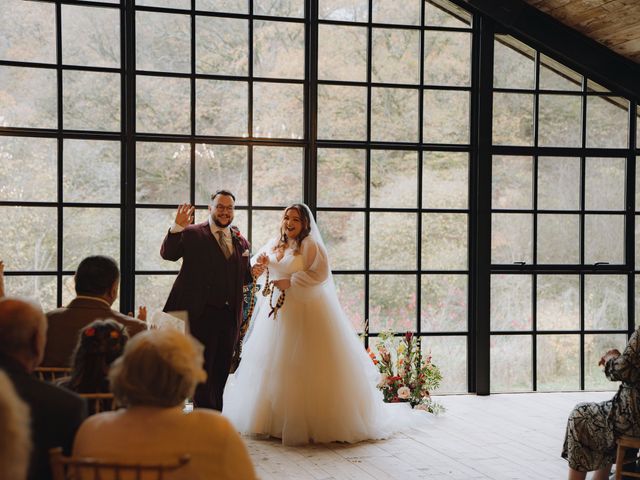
x=90 y=332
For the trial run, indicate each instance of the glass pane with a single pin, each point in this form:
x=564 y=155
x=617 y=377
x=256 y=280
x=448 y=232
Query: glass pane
x=445 y=180
x=513 y=65
x=81 y=238
x=558 y=183
x=446 y=14
x=510 y=302
x=560 y=120
x=278 y=49
x=444 y=303
x=28 y=97
x=558 y=239
x=510 y=363
x=162 y=104
x=40 y=288
x=277 y=110
x=392 y=303
x=394 y=115
x=341 y=177
x=222 y=108
x=162 y=172
x=29 y=238
x=265 y=226
x=34 y=180
x=342 y=112
x=605 y=302
x=343 y=235
x=28 y=31
x=387 y=11
x=90 y=36
x=350 y=290
x=344 y=10
x=91 y=171
x=511 y=235
x=605 y=183
x=152 y=226
x=91 y=101
x=221 y=167
x=595 y=346
x=222 y=46
x=444 y=241
x=638 y=176
x=392 y=241
x=153 y=290
x=277 y=175
x=184 y=4
x=604 y=238
x=511 y=182
x=342 y=53
x=279 y=8
x=396 y=56
x=393 y=175
x=449 y=354
x=555 y=76
x=163 y=41
x=512 y=119
x=446 y=116
x=637 y=240
x=558 y=305
x=447 y=58
x=232 y=6
x=607 y=122
x=558 y=363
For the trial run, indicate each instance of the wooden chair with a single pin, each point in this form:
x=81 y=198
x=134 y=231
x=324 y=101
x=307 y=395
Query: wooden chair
x=79 y=468
x=51 y=374
x=625 y=443
x=100 y=402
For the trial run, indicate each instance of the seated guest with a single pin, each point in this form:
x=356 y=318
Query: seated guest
x=152 y=379
x=99 y=344
x=15 y=436
x=593 y=428
x=56 y=413
x=97 y=280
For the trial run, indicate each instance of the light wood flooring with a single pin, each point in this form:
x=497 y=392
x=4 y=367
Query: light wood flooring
x=515 y=436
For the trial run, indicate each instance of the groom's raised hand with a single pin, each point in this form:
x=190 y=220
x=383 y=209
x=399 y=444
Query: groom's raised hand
x=184 y=215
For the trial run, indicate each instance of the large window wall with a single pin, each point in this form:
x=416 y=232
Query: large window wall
x=112 y=113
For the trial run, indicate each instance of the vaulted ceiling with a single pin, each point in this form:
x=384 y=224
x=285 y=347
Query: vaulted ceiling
x=613 y=23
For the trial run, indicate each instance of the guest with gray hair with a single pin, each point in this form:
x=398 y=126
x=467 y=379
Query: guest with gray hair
x=55 y=413
x=157 y=372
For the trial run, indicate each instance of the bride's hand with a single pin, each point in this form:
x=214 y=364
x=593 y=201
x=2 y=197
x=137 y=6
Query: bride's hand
x=263 y=259
x=282 y=284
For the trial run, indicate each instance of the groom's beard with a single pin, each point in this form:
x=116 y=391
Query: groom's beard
x=221 y=224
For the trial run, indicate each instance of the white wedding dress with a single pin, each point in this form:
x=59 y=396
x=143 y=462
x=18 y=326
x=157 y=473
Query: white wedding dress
x=305 y=376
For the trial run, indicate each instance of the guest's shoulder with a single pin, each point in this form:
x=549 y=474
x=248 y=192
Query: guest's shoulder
x=212 y=419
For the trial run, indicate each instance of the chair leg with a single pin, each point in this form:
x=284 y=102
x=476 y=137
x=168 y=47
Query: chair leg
x=619 y=461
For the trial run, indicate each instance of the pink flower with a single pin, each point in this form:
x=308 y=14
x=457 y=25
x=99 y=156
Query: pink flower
x=422 y=406
x=404 y=392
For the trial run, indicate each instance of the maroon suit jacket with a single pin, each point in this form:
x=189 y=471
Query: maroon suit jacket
x=203 y=267
x=65 y=323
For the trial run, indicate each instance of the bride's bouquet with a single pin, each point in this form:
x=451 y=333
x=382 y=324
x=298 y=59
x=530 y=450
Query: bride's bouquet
x=406 y=375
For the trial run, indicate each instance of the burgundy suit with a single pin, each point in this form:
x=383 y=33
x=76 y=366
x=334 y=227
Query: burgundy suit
x=209 y=288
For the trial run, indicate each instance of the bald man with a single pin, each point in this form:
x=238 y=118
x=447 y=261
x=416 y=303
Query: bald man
x=56 y=413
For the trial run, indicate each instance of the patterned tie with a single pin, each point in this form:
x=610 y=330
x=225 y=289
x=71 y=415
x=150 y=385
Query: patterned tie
x=223 y=244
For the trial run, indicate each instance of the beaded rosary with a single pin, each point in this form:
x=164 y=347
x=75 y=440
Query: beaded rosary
x=268 y=289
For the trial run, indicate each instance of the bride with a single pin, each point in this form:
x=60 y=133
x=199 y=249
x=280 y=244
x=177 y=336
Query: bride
x=304 y=375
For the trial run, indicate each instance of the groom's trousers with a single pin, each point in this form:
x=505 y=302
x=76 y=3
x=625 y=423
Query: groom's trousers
x=217 y=330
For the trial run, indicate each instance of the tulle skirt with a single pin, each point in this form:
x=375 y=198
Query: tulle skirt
x=306 y=377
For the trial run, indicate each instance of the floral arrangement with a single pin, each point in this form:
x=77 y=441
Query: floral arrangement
x=406 y=375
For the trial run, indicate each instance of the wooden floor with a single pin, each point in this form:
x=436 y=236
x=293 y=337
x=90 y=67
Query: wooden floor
x=501 y=437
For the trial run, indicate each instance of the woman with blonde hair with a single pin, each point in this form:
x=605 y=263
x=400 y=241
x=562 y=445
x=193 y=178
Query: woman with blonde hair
x=15 y=435
x=304 y=375
x=158 y=370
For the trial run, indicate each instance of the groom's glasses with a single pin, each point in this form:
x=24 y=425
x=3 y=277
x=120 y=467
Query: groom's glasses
x=221 y=208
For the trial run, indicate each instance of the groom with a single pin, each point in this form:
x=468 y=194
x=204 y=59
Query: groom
x=215 y=266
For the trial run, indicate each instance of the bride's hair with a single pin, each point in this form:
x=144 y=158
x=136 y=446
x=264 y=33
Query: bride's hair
x=283 y=240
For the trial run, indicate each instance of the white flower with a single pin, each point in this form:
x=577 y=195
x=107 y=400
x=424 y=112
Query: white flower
x=422 y=406
x=404 y=393
x=383 y=380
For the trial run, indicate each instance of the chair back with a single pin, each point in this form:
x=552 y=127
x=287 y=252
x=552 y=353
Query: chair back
x=80 y=468
x=51 y=374
x=99 y=402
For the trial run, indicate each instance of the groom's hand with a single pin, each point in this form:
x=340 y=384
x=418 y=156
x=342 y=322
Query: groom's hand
x=184 y=215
